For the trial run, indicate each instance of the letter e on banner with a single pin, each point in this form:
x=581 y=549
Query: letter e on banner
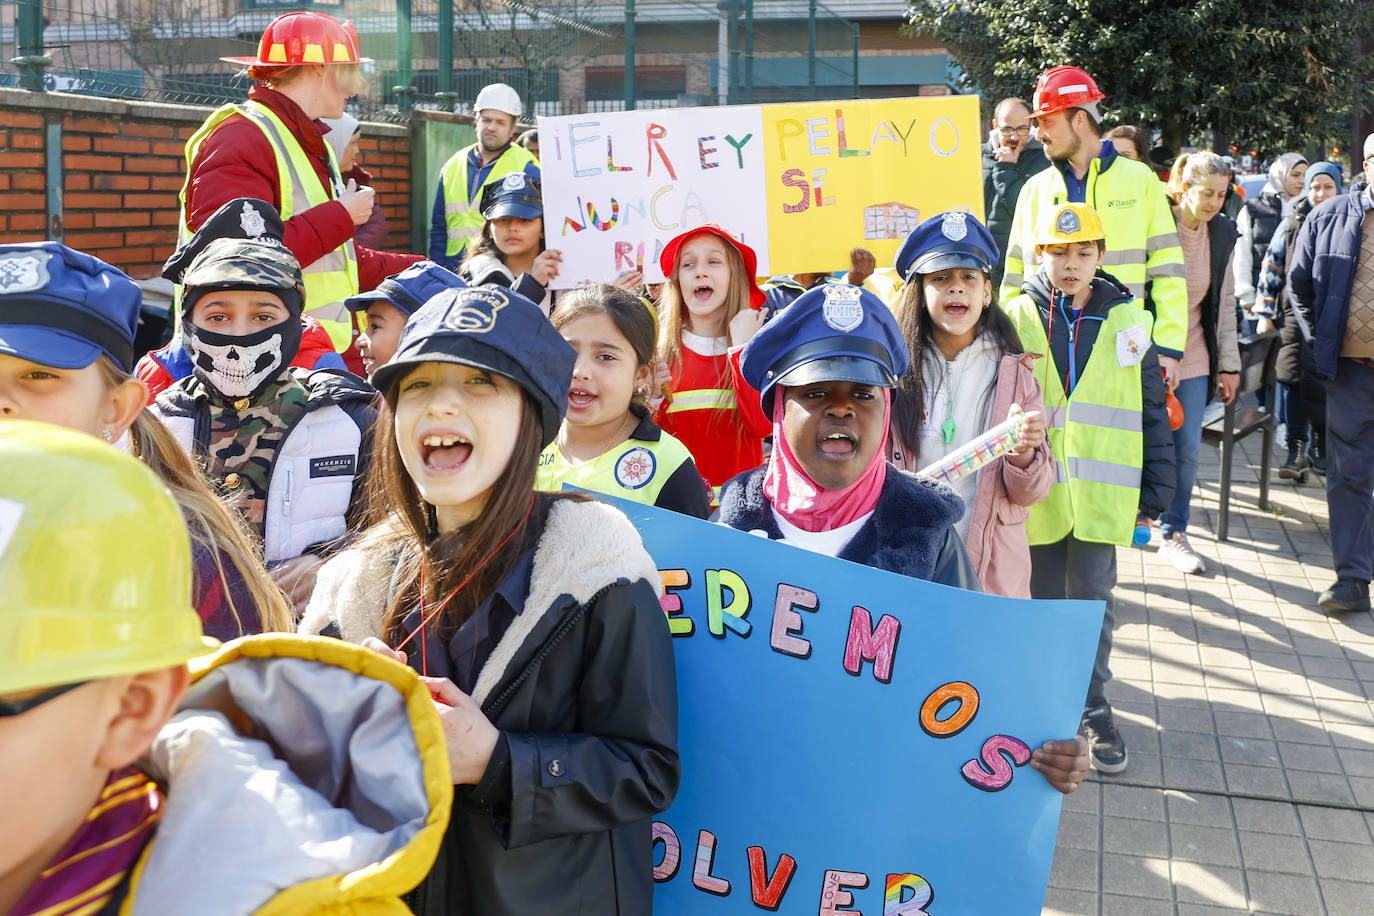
x=787 y=623
x=835 y=893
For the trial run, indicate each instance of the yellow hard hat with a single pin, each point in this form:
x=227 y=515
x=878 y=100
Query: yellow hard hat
x=1069 y=223
x=95 y=563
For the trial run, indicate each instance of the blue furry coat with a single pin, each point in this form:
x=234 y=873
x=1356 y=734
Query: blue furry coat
x=911 y=532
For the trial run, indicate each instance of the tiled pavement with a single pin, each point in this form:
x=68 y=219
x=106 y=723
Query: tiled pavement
x=1248 y=716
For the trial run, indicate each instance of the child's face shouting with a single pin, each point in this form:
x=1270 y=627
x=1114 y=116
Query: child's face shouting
x=1071 y=267
x=456 y=429
x=703 y=276
x=955 y=299
x=606 y=372
x=834 y=429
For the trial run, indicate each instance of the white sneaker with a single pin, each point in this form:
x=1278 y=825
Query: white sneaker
x=1176 y=549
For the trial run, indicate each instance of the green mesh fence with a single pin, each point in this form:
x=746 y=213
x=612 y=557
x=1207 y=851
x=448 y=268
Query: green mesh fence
x=563 y=56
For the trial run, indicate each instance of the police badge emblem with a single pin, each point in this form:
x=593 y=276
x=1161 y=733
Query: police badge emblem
x=477 y=313
x=254 y=226
x=23 y=271
x=515 y=181
x=842 y=309
x=954 y=225
x=635 y=468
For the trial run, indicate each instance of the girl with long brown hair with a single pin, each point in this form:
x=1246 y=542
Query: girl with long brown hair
x=533 y=617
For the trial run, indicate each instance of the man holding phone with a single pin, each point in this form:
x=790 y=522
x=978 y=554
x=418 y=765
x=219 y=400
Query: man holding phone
x=1010 y=156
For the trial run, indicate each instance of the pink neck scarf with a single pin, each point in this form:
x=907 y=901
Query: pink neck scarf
x=802 y=501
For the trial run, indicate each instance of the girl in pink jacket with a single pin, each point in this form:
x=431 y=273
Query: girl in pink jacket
x=967 y=375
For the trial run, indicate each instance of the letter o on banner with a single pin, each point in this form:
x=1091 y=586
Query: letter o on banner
x=934 y=143
x=960 y=692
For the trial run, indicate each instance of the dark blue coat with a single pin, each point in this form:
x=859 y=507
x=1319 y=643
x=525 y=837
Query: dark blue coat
x=1321 y=271
x=911 y=532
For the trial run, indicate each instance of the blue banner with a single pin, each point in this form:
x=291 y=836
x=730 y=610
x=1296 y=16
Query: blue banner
x=854 y=740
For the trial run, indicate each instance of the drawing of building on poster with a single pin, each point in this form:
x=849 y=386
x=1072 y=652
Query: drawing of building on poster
x=891 y=220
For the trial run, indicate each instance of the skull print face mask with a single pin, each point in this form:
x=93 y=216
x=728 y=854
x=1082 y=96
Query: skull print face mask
x=241 y=367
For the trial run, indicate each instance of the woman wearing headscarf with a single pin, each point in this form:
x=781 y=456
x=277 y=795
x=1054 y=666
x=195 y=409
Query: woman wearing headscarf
x=1302 y=404
x=1258 y=221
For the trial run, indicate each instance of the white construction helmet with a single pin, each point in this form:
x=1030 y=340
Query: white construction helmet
x=499 y=97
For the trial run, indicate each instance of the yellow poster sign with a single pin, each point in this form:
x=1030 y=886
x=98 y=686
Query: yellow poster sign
x=864 y=173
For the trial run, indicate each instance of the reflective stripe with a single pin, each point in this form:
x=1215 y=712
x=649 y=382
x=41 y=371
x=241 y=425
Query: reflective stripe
x=1123 y=256
x=1166 y=270
x=1121 y=475
x=703 y=399
x=1060 y=475
x=1102 y=415
x=1163 y=240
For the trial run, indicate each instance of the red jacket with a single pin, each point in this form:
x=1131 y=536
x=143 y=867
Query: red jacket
x=236 y=160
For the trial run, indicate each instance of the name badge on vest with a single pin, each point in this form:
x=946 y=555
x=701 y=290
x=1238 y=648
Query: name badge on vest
x=1131 y=344
x=334 y=466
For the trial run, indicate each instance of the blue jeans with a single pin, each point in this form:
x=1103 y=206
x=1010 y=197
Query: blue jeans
x=1294 y=416
x=1192 y=394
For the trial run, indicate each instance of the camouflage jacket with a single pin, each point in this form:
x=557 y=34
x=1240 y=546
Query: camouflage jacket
x=291 y=461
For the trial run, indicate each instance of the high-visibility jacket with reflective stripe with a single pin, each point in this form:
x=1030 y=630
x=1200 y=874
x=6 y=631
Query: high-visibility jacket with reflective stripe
x=334 y=277
x=1096 y=434
x=462 y=216
x=1142 y=239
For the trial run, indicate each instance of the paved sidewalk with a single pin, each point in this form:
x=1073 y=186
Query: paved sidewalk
x=1248 y=716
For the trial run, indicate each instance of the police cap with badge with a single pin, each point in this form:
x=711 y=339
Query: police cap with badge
x=409 y=289
x=493 y=329
x=64 y=308
x=515 y=195
x=239 y=247
x=947 y=240
x=833 y=333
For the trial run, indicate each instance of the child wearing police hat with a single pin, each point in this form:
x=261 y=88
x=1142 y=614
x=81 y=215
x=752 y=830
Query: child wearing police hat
x=387 y=308
x=146 y=772
x=283 y=446
x=510 y=251
x=67 y=326
x=534 y=616
x=1108 y=429
x=826 y=369
x=968 y=374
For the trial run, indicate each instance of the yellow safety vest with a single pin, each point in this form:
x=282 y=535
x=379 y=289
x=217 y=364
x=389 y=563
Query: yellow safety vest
x=334 y=277
x=635 y=469
x=462 y=216
x=1096 y=434
x=1142 y=239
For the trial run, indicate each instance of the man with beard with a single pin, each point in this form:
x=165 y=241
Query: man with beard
x=457 y=218
x=1142 y=240
x=286 y=448
x=1010 y=157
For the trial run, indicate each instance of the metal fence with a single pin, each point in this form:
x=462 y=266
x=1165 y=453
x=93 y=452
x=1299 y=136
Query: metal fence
x=564 y=56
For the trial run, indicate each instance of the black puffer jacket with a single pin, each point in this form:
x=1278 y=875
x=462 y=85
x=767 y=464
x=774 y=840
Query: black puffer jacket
x=911 y=532
x=1157 y=476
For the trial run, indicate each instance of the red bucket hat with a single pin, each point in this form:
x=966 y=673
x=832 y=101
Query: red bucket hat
x=668 y=259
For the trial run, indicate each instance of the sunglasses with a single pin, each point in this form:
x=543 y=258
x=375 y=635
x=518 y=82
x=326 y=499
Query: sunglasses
x=19 y=707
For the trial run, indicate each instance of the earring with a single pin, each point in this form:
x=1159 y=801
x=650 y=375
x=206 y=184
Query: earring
x=106 y=433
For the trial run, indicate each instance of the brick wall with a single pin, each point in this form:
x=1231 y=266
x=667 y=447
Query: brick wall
x=122 y=167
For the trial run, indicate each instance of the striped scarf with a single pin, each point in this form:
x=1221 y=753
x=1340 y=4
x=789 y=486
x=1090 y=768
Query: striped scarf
x=87 y=872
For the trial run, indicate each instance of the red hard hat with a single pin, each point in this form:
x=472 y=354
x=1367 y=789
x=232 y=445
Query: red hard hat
x=305 y=38
x=668 y=259
x=1062 y=88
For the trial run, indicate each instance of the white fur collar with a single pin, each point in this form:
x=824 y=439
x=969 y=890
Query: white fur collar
x=585 y=547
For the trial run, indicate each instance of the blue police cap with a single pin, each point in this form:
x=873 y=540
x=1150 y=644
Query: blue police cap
x=243 y=218
x=516 y=195
x=494 y=329
x=409 y=289
x=63 y=308
x=950 y=239
x=834 y=332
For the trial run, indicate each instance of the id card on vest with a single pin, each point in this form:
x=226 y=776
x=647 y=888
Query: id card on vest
x=1131 y=344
